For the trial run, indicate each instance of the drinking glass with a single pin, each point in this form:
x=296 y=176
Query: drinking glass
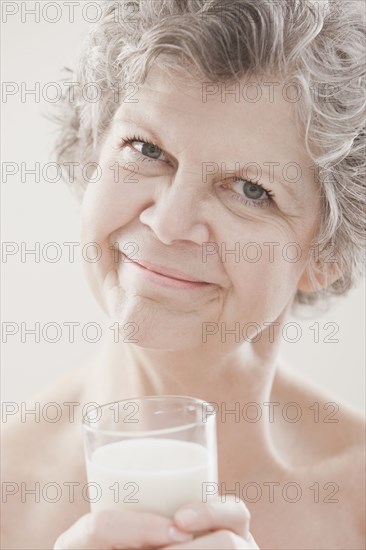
x=152 y=454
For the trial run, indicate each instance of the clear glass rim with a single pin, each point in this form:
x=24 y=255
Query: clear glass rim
x=87 y=426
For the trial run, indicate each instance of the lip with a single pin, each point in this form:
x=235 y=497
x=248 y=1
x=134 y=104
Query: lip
x=169 y=277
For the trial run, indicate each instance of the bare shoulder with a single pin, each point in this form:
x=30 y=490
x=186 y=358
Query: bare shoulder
x=37 y=428
x=47 y=412
x=316 y=427
x=46 y=407
x=41 y=462
x=330 y=435
x=326 y=444
x=324 y=417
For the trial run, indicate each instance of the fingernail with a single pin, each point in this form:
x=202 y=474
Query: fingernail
x=186 y=517
x=178 y=536
x=248 y=537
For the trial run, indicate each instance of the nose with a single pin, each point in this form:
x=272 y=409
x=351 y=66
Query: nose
x=175 y=214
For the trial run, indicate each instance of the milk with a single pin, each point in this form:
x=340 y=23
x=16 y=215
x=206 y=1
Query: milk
x=149 y=474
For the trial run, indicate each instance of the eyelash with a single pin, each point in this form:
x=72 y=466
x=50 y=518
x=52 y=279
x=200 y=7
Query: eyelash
x=128 y=140
x=235 y=196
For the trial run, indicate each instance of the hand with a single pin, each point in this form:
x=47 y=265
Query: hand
x=111 y=529
x=228 y=522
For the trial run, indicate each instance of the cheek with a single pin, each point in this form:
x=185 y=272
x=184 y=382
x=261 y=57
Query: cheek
x=264 y=276
x=113 y=202
x=105 y=206
x=102 y=211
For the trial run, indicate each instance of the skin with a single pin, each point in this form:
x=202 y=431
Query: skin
x=165 y=216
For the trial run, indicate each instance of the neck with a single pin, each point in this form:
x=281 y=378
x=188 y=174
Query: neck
x=228 y=378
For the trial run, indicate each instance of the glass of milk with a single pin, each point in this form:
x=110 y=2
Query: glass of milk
x=151 y=454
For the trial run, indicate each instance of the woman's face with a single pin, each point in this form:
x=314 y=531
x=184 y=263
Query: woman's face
x=188 y=204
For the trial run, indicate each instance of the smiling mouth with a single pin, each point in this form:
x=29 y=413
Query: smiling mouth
x=169 y=276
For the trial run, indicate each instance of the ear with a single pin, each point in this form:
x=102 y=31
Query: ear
x=324 y=275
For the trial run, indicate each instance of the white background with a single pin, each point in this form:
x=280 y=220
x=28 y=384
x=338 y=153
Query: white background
x=45 y=212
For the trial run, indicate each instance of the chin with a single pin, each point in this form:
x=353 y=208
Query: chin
x=148 y=324
x=161 y=336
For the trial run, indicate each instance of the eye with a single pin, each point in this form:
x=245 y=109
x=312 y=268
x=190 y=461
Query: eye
x=249 y=192
x=150 y=152
x=250 y=189
x=148 y=149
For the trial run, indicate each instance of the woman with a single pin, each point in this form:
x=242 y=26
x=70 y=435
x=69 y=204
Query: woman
x=227 y=153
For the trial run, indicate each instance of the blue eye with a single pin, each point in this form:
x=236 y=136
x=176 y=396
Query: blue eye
x=150 y=152
x=250 y=188
x=253 y=191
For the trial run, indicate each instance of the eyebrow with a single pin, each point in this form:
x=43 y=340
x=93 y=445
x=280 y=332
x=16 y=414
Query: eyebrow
x=141 y=122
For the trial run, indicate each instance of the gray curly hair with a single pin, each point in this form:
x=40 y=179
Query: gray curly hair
x=315 y=44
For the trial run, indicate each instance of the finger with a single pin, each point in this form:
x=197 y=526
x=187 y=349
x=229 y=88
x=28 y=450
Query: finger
x=215 y=514
x=112 y=529
x=214 y=541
